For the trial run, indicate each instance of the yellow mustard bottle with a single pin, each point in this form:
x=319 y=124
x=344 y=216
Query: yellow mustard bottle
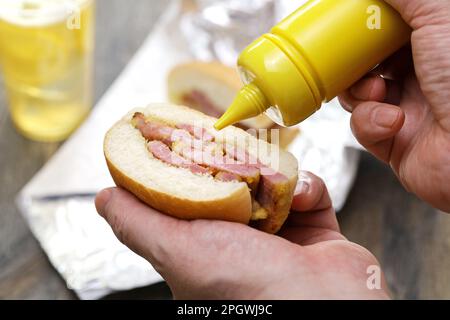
x=310 y=57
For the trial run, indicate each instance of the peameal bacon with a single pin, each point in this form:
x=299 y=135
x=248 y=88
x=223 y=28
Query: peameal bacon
x=194 y=149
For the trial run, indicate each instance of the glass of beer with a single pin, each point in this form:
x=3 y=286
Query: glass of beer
x=46 y=58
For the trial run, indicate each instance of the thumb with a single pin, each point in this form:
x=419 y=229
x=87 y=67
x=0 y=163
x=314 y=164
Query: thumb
x=419 y=13
x=431 y=50
x=375 y=124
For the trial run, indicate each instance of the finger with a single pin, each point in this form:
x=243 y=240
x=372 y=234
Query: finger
x=383 y=84
x=305 y=235
x=310 y=194
x=370 y=88
x=394 y=93
x=375 y=124
x=394 y=71
x=347 y=101
x=397 y=66
x=141 y=228
x=312 y=205
x=317 y=224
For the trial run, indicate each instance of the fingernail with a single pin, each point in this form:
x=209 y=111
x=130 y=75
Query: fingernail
x=302 y=186
x=102 y=199
x=386 y=117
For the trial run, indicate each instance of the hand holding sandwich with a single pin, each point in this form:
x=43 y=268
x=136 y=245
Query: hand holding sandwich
x=204 y=259
x=203 y=196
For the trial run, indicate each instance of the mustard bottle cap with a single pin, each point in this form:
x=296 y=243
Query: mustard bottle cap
x=249 y=102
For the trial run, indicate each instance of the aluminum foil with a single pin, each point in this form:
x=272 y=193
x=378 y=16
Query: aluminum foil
x=58 y=202
x=221 y=29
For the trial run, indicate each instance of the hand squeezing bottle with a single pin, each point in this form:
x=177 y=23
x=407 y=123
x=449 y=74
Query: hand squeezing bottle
x=310 y=57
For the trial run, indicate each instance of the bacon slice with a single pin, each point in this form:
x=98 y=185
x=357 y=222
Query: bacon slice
x=266 y=172
x=162 y=152
x=273 y=189
x=152 y=130
x=218 y=162
x=197 y=132
x=157 y=131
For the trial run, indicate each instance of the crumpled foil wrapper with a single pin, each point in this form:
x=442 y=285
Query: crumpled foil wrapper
x=58 y=203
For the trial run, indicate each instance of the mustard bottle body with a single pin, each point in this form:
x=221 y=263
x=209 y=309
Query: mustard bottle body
x=313 y=55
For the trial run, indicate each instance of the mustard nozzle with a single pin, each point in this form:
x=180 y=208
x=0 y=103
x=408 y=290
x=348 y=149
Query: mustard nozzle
x=249 y=102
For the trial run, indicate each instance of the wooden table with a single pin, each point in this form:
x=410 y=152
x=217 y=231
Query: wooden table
x=411 y=239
